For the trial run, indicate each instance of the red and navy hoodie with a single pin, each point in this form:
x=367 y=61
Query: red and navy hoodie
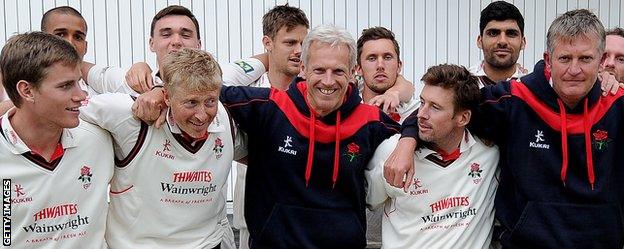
x=305 y=184
x=562 y=181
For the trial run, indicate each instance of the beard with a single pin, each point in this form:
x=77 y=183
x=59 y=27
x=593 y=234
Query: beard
x=379 y=88
x=501 y=64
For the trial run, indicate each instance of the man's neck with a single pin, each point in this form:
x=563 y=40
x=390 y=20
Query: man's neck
x=497 y=74
x=368 y=94
x=39 y=137
x=279 y=80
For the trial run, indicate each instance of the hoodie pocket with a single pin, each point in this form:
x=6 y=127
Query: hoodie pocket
x=564 y=225
x=300 y=227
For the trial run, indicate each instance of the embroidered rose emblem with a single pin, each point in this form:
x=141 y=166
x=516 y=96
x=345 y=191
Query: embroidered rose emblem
x=218 y=148
x=601 y=139
x=353 y=150
x=475 y=170
x=85 y=174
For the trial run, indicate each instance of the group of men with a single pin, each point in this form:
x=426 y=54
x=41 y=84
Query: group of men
x=317 y=155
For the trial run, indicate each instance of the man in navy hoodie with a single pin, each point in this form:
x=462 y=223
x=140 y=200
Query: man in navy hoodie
x=308 y=148
x=561 y=182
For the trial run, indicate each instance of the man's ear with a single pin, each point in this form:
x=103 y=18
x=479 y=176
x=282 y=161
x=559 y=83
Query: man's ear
x=167 y=96
x=151 y=44
x=523 y=43
x=547 y=59
x=268 y=43
x=463 y=118
x=26 y=91
x=479 y=42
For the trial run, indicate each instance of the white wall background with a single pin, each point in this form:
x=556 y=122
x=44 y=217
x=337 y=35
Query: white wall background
x=429 y=31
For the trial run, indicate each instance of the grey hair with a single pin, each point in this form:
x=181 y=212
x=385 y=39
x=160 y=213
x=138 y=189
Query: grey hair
x=575 y=24
x=332 y=35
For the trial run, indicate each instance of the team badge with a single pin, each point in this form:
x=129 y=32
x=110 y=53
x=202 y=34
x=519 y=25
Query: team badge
x=601 y=139
x=475 y=172
x=218 y=148
x=85 y=176
x=353 y=151
x=245 y=66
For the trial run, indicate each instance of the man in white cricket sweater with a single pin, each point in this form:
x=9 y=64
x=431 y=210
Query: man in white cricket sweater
x=55 y=168
x=170 y=183
x=451 y=201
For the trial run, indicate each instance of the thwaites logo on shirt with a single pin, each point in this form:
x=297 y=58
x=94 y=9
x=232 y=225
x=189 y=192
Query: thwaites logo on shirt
x=85 y=176
x=20 y=195
x=285 y=149
x=417 y=188
x=52 y=214
x=166 y=151
x=179 y=180
x=450 y=208
x=539 y=138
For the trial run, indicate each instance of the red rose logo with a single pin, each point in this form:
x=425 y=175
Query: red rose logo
x=85 y=174
x=600 y=135
x=353 y=150
x=601 y=139
x=85 y=170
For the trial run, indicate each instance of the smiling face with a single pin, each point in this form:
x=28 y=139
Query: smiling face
x=327 y=73
x=192 y=110
x=57 y=98
x=379 y=64
x=171 y=33
x=614 y=62
x=285 y=49
x=501 y=43
x=574 y=66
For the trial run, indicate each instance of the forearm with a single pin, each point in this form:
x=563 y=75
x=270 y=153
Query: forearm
x=404 y=87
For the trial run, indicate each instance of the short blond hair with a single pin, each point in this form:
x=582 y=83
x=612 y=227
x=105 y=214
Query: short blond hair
x=191 y=69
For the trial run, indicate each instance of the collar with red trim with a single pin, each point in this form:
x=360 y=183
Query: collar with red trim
x=464 y=145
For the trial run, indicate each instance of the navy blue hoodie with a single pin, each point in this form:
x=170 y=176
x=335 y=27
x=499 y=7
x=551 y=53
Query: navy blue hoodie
x=305 y=184
x=561 y=183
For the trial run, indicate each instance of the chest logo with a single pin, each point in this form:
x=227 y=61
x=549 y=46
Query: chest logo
x=539 y=139
x=287 y=145
x=20 y=195
x=475 y=173
x=218 y=148
x=353 y=151
x=601 y=139
x=167 y=145
x=85 y=176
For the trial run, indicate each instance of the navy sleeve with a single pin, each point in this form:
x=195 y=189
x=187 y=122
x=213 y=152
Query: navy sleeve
x=489 y=119
x=409 y=128
x=244 y=104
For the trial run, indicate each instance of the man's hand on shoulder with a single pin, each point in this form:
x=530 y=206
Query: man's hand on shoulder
x=609 y=84
x=150 y=107
x=399 y=168
x=139 y=77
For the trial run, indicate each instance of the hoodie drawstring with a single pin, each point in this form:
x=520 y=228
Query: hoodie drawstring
x=588 y=146
x=336 y=151
x=312 y=138
x=564 y=143
x=308 y=170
